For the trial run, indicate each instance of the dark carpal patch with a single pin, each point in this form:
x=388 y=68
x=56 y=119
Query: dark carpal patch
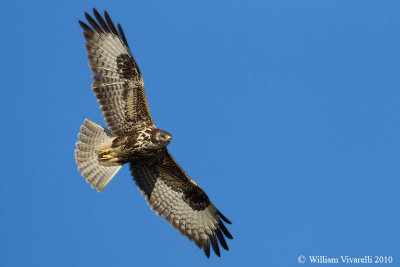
x=196 y=198
x=127 y=68
x=176 y=179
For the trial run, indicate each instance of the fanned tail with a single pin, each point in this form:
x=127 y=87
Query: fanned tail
x=96 y=175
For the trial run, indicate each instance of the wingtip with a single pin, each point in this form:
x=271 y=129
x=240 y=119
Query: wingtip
x=214 y=243
x=224 y=230
x=84 y=25
x=110 y=23
x=106 y=15
x=221 y=239
x=224 y=218
x=206 y=247
x=95 y=12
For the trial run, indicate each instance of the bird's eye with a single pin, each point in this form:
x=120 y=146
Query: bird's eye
x=162 y=136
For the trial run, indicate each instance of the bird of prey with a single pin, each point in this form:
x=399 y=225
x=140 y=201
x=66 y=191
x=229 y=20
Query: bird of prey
x=133 y=138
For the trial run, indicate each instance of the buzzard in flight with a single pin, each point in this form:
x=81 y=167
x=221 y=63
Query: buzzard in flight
x=133 y=138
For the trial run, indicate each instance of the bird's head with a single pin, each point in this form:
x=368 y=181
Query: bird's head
x=162 y=137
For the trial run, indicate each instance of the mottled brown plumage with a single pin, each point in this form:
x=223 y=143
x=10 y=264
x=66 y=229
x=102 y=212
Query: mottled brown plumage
x=133 y=138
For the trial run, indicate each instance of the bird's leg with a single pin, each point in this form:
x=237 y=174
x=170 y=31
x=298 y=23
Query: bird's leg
x=105 y=154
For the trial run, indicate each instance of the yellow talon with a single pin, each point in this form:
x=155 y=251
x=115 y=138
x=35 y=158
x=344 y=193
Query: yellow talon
x=104 y=154
x=105 y=151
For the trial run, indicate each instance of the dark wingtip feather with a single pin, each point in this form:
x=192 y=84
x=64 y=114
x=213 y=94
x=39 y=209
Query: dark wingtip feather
x=206 y=247
x=110 y=23
x=101 y=21
x=104 y=26
x=224 y=230
x=84 y=26
x=221 y=239
x=94 y=24
x=223 y=217
x=214 y=244
x=121 y=33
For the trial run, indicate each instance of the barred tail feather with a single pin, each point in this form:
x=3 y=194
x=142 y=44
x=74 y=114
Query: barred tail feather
x=96 y=175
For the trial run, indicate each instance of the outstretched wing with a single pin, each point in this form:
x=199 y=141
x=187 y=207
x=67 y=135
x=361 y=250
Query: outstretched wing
x=172 y=194
x=118 y=84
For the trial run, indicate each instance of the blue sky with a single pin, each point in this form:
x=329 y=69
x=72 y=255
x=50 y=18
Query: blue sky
x=287 y=113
